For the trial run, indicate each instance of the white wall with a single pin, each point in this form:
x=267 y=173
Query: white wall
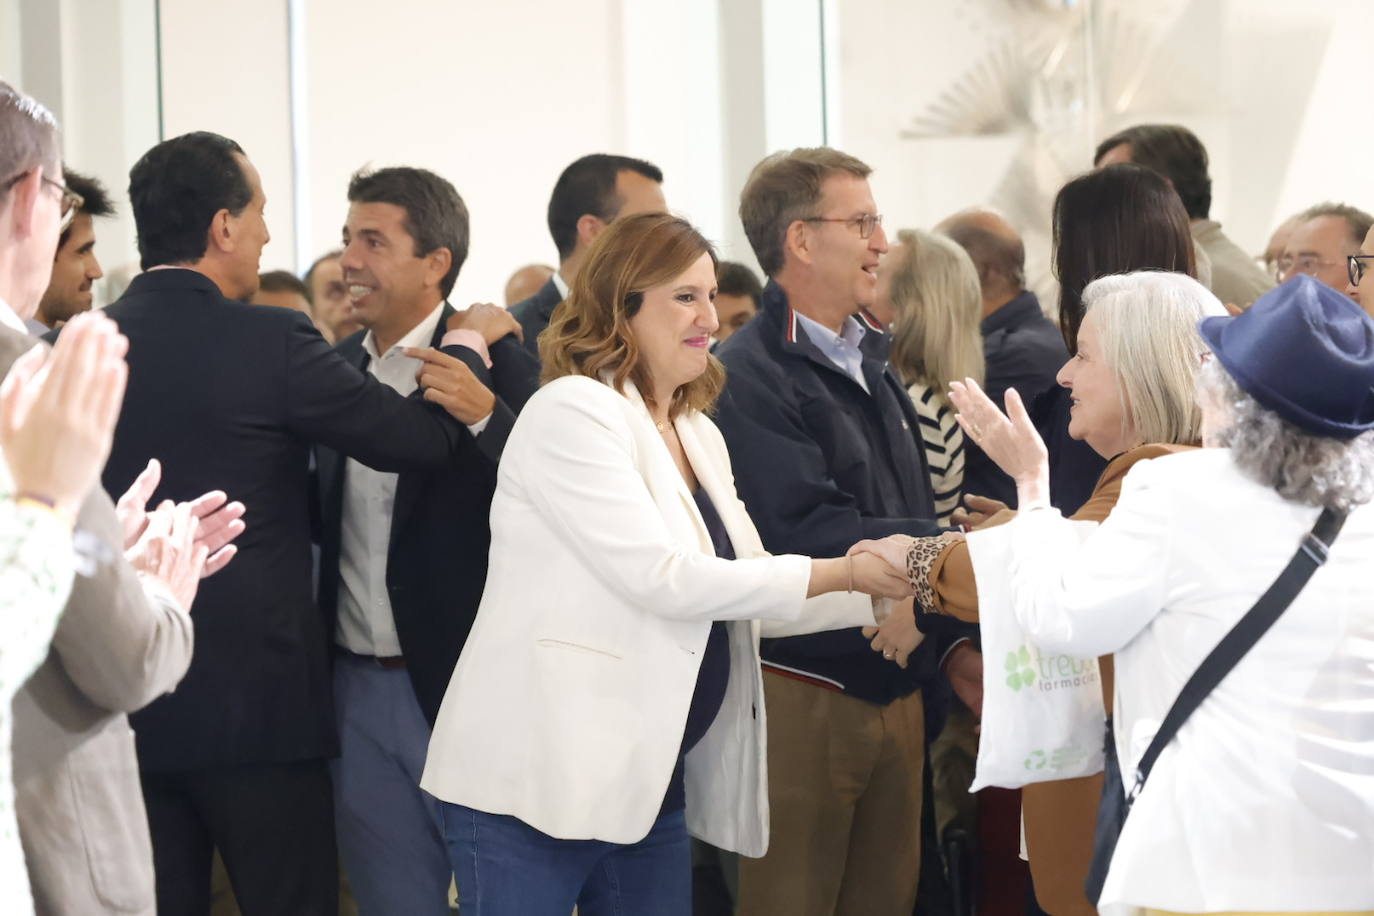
x=499 y=97
x=94 y=63
x=1268 y=85
x=224 y=69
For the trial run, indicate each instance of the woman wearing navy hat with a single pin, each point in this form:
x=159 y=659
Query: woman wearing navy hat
x=1264 y=800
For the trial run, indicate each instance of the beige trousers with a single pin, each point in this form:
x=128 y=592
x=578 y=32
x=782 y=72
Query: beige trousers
x=845 y=797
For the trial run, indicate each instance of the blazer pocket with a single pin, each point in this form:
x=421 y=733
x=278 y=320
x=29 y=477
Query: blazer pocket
x=563 y=644
x=114 y=825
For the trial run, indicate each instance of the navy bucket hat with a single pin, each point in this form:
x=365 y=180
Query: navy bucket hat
x=1304 y=351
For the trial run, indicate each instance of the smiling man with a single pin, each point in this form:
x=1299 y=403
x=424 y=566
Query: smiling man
x=403 y=556
x=826 y=450
x=74 y=267
x=237 y=758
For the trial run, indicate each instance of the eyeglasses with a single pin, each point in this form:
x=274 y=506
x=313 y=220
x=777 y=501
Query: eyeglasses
x=71 y=202
x=866 y=223
x=1303 y=263
x=1356 y=267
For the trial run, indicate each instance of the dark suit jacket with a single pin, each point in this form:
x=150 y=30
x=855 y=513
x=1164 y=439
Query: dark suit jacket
x=1023 y=350
x=534 y=314
x=437 y=556
x=820 y=464
x=230 y=396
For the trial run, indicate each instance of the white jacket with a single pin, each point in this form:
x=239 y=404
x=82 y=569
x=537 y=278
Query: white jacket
x=567 y=706
x=1264 y=801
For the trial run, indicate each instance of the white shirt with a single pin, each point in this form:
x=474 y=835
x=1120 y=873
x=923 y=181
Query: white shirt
x=1264 y=801
x=365 y=623
x=563 y=288
x=841 y=349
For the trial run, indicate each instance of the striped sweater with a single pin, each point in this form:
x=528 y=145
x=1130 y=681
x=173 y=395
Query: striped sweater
x=944 y=442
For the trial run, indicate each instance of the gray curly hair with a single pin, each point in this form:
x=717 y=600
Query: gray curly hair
x=1300 y=466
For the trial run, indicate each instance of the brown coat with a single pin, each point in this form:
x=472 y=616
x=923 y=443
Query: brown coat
x=1060 y=816
x=77 y=794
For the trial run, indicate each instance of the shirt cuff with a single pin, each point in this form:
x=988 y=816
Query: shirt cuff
x=466 y=337
x=476 y=428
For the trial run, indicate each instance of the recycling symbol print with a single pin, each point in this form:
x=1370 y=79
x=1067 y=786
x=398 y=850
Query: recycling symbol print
x=1019 y=671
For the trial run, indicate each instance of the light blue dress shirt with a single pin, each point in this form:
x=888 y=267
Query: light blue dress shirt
x=841 y=349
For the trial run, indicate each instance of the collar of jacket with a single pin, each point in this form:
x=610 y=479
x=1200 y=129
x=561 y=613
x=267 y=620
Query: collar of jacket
x=1023 y=307
x=174 y=278
x=779 y=312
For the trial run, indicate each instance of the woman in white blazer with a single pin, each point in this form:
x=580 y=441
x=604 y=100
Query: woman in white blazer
x=600 y=710
x=1264 y=800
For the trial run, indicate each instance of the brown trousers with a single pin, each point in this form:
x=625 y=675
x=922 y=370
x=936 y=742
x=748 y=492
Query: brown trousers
x=844 y=791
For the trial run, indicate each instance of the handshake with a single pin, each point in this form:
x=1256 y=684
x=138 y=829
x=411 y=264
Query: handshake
x=892 y=567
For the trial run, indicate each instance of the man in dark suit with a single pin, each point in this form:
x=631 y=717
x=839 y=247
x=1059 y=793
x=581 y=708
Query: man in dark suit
x=404 y=556
x=589 y=194
x=234 y=394
x=1022 y=348
x=124 y=636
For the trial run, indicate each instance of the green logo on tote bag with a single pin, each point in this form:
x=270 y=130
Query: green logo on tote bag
x=1019 y=671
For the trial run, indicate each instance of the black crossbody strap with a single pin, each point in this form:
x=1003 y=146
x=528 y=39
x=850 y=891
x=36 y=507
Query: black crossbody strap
x=1242 y=637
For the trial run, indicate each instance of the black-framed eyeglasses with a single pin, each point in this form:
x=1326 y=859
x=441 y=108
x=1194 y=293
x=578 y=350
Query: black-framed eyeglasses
x=71 y=202
x=867 y=223
x=1355 y=267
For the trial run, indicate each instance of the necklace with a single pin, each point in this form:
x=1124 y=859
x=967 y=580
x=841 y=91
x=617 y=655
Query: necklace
x=662 y=425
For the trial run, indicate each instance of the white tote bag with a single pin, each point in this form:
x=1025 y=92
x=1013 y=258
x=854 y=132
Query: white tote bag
x=1042 y=712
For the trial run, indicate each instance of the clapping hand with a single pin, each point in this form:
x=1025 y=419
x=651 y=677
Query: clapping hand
x=219 y=521
x=169 y=551
x=1009 y=439
x=58 y=410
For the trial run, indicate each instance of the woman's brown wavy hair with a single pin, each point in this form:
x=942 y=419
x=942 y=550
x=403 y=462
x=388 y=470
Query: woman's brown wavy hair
x=590 y=331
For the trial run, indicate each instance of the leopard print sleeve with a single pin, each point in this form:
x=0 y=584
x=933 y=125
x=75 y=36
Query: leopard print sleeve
x=920 y=556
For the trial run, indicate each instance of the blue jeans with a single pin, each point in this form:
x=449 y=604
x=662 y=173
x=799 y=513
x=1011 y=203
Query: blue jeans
x=504 y=867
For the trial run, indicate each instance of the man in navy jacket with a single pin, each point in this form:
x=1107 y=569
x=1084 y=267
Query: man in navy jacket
x=826 y=451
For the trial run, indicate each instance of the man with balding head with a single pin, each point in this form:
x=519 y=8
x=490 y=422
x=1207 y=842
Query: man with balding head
x=526 y=281
x=1022 y=348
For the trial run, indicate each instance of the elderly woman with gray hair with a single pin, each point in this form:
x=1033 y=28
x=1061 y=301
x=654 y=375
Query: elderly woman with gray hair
x=1131 y=382
x=1264 y=798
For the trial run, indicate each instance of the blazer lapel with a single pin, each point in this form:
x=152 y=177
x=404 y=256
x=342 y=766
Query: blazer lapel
x=408 y=486
x=664 y=466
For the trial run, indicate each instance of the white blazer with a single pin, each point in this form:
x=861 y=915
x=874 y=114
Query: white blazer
x=1264 y=801
x=568 y=704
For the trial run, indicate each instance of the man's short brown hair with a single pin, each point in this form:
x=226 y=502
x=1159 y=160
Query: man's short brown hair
x=784 y=188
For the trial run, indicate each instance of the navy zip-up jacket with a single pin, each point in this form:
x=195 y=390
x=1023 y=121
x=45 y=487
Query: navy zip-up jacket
x=820 y=464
